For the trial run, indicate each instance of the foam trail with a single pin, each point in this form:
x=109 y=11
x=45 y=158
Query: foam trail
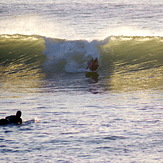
x=70 y=56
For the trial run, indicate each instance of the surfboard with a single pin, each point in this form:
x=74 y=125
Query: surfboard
x=89 y=73
x=89 y=70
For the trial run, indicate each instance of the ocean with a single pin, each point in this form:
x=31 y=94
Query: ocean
x=114 y=116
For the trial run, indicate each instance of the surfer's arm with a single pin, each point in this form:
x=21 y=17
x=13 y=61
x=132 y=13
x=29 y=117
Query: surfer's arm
x=88 y=65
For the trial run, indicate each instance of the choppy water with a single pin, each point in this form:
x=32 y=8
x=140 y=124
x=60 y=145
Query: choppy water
x=115 y=116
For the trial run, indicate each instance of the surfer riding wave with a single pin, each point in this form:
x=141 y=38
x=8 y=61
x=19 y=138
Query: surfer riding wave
x=92 y=65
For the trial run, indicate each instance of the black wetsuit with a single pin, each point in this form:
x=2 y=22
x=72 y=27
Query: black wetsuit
x=3 y=121
x=12 y=119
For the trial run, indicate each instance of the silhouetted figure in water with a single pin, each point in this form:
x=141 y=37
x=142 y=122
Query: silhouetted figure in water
x=3 y=121
x=12 y=119
x=92 y=65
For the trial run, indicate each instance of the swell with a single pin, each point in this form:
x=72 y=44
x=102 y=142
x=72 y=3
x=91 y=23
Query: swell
x=15 y=48
x=133 y=53
x=133 y=63
x=120 y=57
x=117 y=50
x=20 y=62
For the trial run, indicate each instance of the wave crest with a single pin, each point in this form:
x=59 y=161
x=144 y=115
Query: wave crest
x=122 y=53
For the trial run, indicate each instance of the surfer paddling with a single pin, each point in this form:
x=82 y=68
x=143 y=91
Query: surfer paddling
x=12 y=119
x=92 y=65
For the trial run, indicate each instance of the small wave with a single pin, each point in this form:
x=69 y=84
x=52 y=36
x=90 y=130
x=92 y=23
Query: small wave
x=114 y=137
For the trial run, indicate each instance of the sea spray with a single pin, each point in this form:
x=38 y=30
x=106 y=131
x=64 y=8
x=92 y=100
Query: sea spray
x=70 y=56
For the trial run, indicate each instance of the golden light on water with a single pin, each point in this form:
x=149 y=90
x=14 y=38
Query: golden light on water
x=21 y=60
x=138 y=80
x=20 y=78
x=136 y=63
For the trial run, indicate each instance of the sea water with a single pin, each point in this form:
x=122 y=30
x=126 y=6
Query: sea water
x=68 y=117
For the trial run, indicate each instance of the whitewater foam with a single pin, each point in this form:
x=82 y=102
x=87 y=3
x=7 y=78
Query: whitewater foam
x=72 y=54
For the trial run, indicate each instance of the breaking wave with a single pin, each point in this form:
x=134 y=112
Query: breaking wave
x=119 y=55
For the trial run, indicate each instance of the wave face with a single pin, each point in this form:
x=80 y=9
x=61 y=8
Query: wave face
x=134 y=62
x=20 y=61
x=128 y=54
x=121 y=58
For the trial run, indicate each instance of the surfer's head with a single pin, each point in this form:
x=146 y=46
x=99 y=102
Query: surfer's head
x=19 y=113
